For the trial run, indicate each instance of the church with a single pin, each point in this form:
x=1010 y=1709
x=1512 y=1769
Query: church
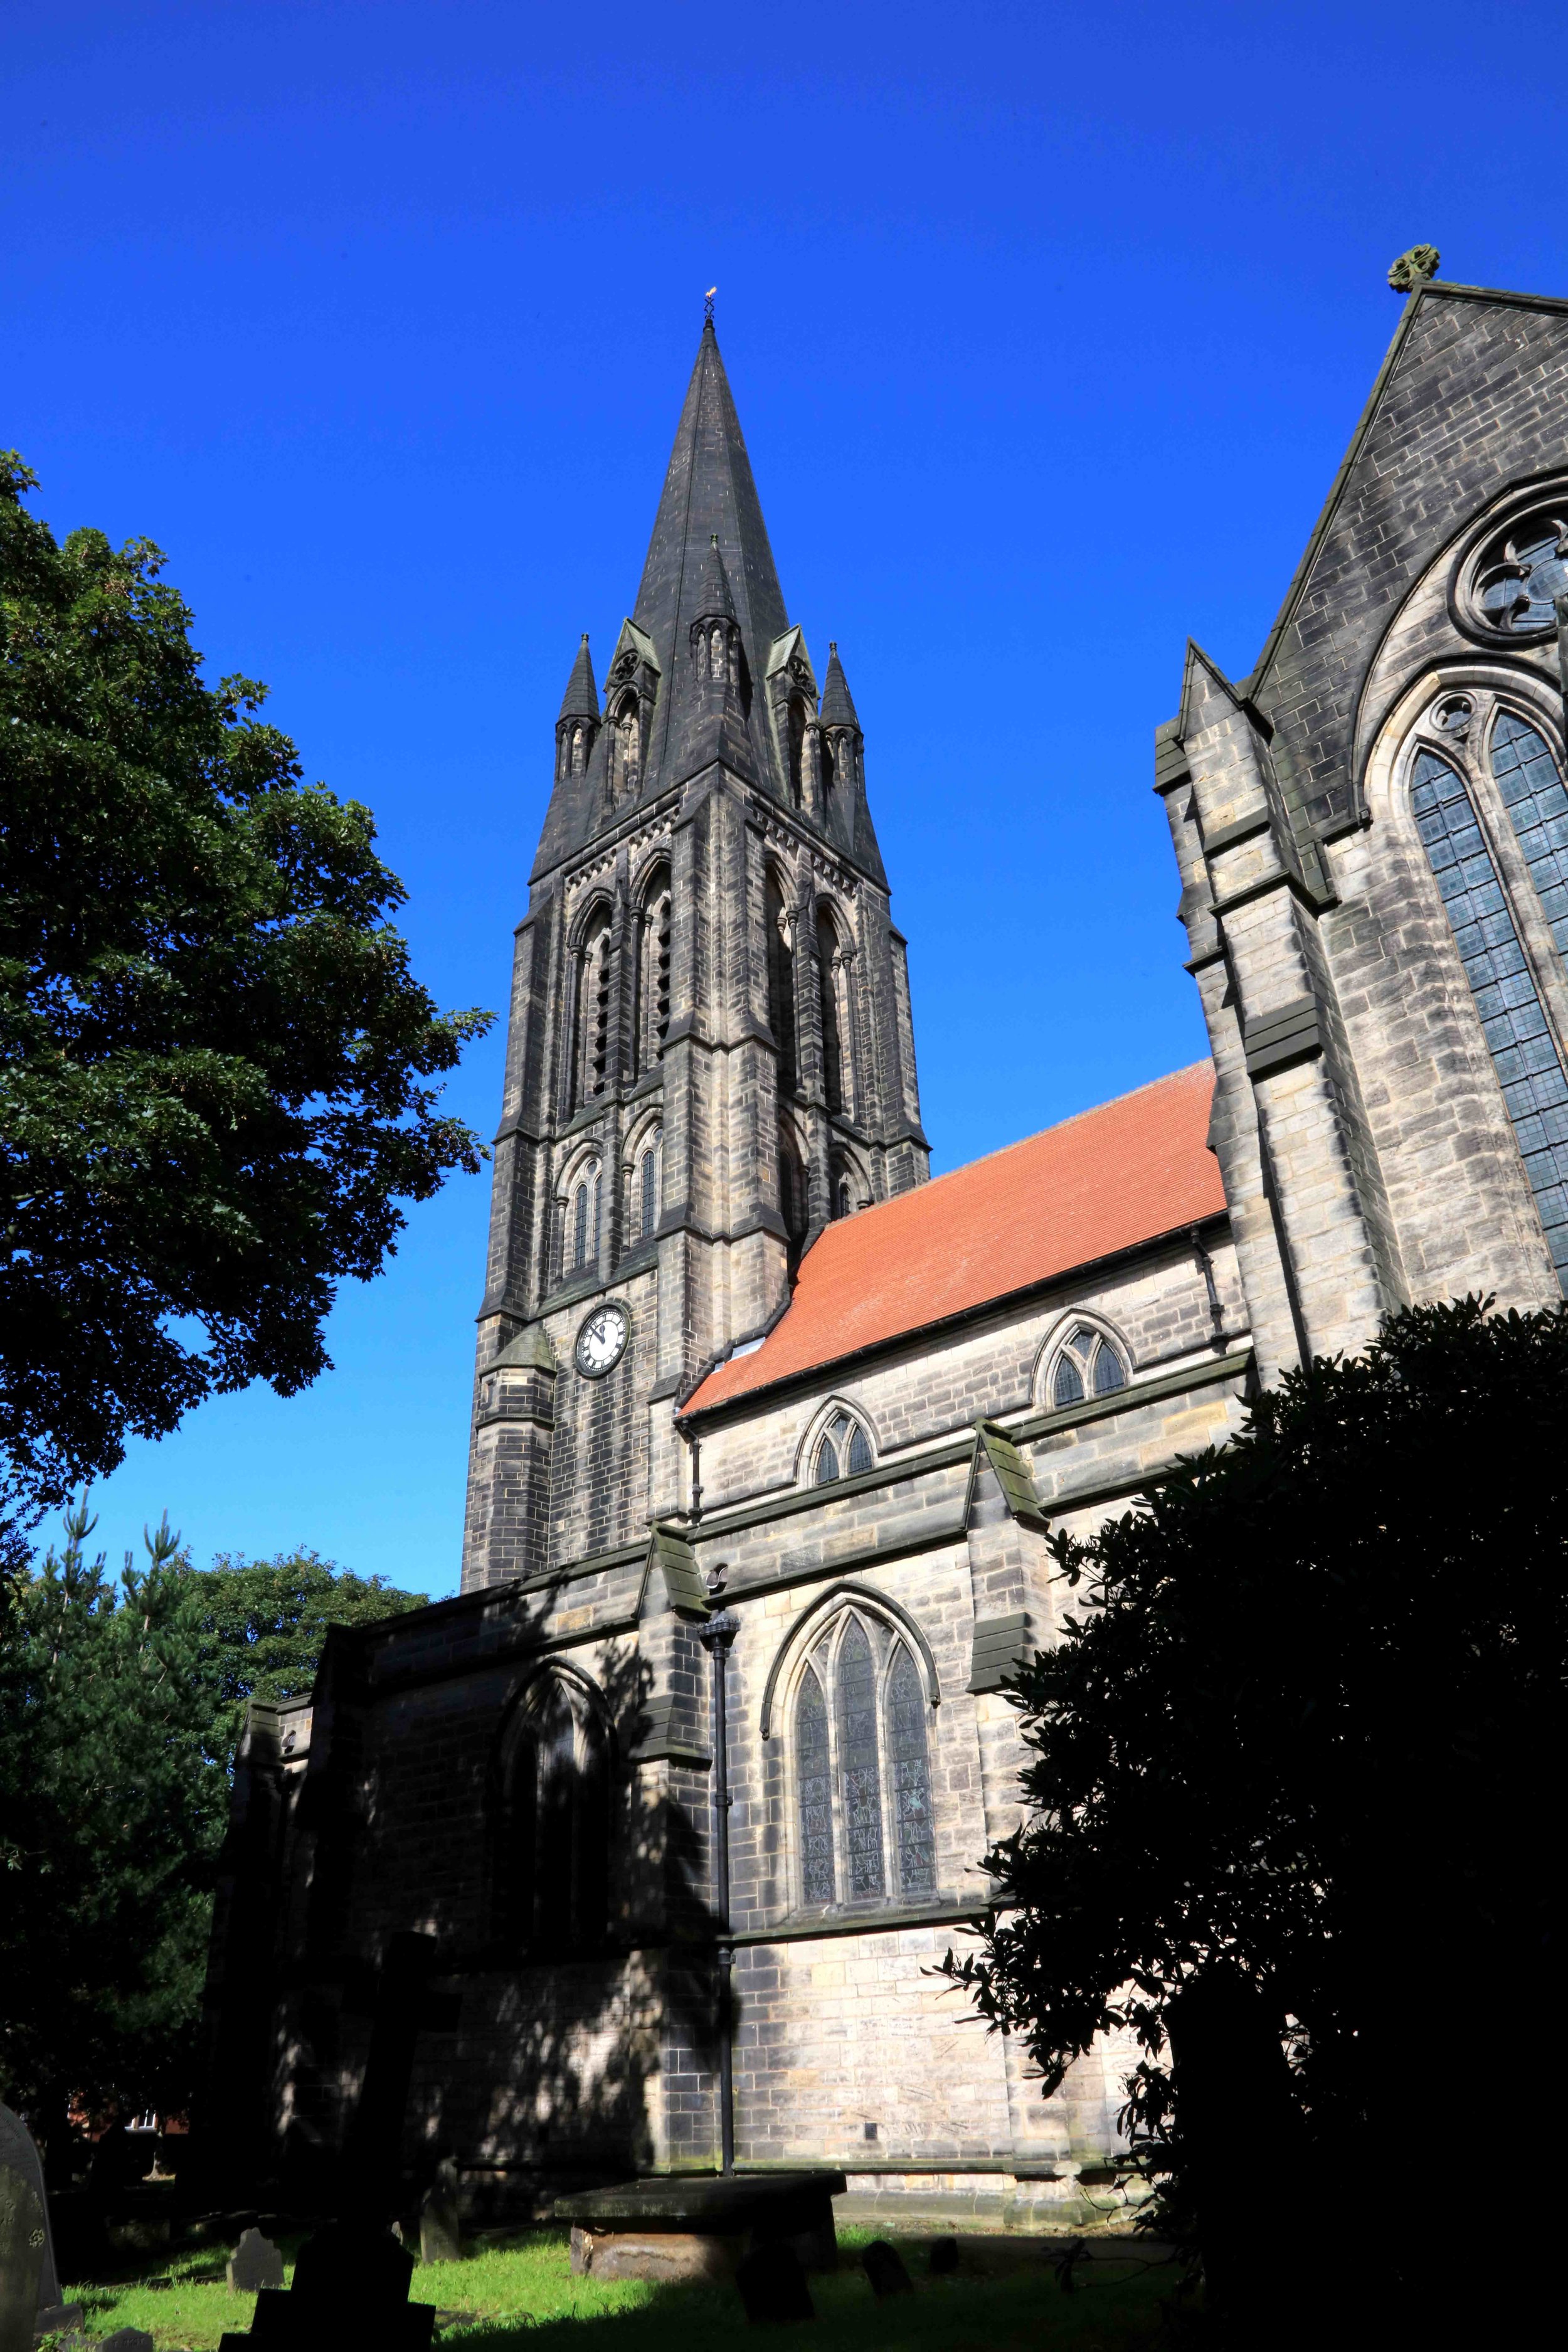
x=692 y=1784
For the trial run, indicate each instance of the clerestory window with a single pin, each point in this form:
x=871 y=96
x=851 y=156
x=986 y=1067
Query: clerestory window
x=862 y=1767
x=1087 y=1365
x=843 y=1450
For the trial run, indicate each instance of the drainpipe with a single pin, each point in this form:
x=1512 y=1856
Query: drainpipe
x=716 y=1637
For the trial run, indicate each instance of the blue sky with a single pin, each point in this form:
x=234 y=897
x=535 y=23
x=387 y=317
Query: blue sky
x=1047 y=326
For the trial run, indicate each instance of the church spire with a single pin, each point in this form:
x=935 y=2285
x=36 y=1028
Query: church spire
x=581 y=700
x=709 y=493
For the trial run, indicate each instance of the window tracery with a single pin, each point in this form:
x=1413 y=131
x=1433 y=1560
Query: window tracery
x=843 y=1450
x=1087 y=1365
x=1509 y=585
x=1518 y=1036
x=862 y=1767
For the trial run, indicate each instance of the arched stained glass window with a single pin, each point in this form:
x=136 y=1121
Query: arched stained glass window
x=911 y=1776
x=859 y=1772
x=1523 y=1052
x=1087 y=1364
x=843 y=1450
x=1532 y=794
x=814 y=1783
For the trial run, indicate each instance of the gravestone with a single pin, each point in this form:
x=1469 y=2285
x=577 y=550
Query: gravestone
x=772 y=2285
x=255 y=2262
x=440 y=2222
x=22 y=2245
x=943 y=2257
x=18 y=2153
x=884 y=2266
x=126 y=2339
x=350 y=2280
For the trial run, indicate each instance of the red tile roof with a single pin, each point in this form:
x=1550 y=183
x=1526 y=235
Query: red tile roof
x=1121 y=1174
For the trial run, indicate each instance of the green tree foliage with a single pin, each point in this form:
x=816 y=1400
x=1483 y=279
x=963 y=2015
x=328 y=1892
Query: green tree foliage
x=214 y=1057
x=1290 y=1789
x=262 y=1622
x=112 y=1798
x=120 y=1701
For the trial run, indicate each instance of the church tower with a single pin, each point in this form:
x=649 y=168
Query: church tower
x=710 y=1053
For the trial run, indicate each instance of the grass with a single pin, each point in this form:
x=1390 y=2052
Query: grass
x=522 y=2293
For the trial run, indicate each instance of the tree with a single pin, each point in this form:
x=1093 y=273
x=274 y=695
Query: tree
x=1289 y=1789
x=213 y=1054
x=112 y=1800
x=261 y=1624
x=120 y=1705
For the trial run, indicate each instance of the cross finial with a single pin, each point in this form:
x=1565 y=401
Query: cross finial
x=1413 y=269
x=708 y=304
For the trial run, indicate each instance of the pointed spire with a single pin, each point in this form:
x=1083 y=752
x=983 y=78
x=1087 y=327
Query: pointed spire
x=838 y=702
x=707 y=491
x=581 y=700
x=713 y=598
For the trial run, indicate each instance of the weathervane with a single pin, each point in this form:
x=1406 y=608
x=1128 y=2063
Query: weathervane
x=708 y=303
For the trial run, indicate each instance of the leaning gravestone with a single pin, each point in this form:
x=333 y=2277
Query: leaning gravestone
x=255 y=2262
x=22 y=2245
x=440 y=2222
x=772 y=2285
x=884 y=2266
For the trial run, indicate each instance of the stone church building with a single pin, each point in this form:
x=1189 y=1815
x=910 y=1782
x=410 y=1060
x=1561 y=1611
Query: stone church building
x=739 y=1356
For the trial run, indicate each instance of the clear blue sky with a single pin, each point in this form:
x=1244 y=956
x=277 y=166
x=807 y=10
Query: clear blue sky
x=1047 y=326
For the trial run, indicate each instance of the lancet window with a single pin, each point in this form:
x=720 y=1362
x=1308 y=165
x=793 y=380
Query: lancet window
x=647 y=1185
x=654 y=970
x=1087 y=1365
x=553 y=1826
x=1524 y=1051
x=591 y=1044
x=862 y=1767
x=779 y=928
x=583 y=1205
x=795 y=723
x=626 y=748
x=833 y=971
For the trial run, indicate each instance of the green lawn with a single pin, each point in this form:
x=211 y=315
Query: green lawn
x=523 y=2292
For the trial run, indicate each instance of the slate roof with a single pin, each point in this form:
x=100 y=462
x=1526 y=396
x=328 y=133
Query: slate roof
x=1113 y=1178
x=708 y=496
x=838 y=702
x=581 y=700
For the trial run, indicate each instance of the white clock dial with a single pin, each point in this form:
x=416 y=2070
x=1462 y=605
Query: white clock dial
x=601 y=1342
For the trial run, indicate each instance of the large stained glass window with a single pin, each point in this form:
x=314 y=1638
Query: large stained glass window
x=1526 y=775
x=814 y=1783
x=859 y=1774
x=911 y=1776
x=1523 y=1050
x=862 y=1767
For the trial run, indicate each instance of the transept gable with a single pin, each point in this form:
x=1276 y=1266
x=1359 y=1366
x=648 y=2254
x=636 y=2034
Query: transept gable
x=1465 y=408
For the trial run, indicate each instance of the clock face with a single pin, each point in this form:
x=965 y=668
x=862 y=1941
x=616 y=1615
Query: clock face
x=602 y=1341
